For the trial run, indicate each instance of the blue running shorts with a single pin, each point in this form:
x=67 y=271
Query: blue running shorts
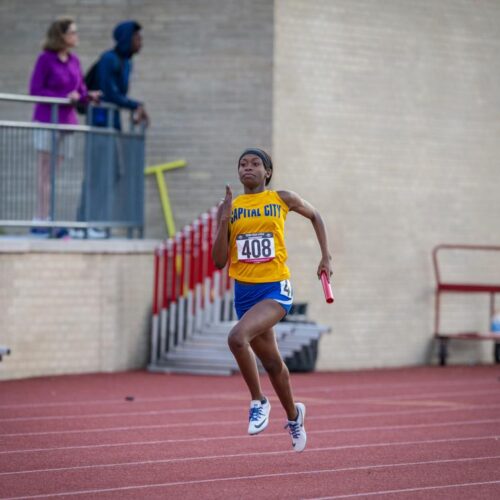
x=246 y=296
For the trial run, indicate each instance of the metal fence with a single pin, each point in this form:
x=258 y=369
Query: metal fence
x=69 y=176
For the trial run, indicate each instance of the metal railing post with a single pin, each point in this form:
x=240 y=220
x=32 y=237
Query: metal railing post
x=111 y=167
x=54 y=114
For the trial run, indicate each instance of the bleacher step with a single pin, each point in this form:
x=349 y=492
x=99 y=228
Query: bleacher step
x=206 y=352
x=188 y=369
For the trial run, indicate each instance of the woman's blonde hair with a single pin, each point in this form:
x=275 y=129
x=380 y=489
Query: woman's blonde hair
x=55 y=34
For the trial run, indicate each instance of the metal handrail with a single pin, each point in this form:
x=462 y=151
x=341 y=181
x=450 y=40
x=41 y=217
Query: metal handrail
x=136 y=131
x=56 y=126
x=64 y=101
x=449 y=246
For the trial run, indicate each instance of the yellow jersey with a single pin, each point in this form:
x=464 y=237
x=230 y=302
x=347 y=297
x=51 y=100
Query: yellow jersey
x=257 y=251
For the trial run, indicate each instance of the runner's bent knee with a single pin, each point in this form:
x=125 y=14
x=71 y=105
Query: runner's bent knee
x=273 y=366
x=237 y=339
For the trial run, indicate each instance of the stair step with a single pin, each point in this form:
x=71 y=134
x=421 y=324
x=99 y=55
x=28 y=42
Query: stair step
x=187 y=369
x=206 y=352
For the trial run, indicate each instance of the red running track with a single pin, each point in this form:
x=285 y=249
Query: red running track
x=415 y=433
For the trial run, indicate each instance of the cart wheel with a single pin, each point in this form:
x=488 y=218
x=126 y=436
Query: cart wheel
x=443 y=351
x=497 y=352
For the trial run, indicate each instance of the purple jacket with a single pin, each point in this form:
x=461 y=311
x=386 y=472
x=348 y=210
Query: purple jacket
x=53 y=78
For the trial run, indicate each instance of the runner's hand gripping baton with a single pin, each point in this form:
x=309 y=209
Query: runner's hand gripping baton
x=327 y=289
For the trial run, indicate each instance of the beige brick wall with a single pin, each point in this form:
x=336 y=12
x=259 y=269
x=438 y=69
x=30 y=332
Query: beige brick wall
x=74 y=307
x=386 y=118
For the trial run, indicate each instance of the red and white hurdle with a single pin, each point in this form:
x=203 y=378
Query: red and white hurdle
x=189 y=293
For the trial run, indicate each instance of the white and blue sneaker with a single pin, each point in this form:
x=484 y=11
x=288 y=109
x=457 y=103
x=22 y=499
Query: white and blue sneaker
x=258 y=416
x=297 y=430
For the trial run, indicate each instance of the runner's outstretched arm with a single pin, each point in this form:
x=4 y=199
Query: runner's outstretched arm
x=297 y=204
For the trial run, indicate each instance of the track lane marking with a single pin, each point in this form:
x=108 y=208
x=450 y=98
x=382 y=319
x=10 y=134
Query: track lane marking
x=429 y=403
x=257 y=476
x=238 y=422
x=251 y=454
x=263 y=436
x=339 y=416
x=243 y=395
x=397 y=399
x=406 y=490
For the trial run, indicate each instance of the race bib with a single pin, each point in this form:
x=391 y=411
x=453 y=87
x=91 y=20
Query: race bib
x=286 y=288
x=255 y=247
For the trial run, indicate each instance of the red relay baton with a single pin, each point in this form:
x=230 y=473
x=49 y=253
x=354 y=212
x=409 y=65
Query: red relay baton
x=327 y=289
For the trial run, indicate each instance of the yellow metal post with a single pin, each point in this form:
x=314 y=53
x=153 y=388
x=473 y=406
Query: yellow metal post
x=158 y=171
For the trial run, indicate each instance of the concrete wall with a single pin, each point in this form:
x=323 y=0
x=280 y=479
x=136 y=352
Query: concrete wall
x=386 y=118
x=74 y=307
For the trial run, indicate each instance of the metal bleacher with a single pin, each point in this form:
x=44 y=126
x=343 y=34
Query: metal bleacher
x=207 y=352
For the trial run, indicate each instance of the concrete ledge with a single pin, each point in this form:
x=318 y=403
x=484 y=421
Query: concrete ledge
x=108 y=246
x=72 y=306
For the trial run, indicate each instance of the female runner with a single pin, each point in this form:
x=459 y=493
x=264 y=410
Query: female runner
x=250 y=232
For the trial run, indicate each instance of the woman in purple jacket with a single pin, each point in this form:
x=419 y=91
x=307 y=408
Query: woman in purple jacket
x=57 y=73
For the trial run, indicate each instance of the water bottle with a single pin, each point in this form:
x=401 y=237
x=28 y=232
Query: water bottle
x=495 y=323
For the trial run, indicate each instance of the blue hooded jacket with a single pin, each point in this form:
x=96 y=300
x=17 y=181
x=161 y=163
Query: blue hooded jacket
x=113 y=74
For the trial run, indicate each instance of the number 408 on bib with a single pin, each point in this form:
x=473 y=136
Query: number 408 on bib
x=255 y=247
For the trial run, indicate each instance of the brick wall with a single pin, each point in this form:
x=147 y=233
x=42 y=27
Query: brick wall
x=74 y=308
x=386 y=118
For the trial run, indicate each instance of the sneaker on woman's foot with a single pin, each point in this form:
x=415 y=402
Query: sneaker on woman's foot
x=297 y=430
x=258 y=416
x=40 y=232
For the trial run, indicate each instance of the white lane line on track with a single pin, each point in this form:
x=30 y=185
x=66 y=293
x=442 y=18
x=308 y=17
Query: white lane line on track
x=333 y=417
x=376 y=400
x=243 y=395
x=263 y=436
x=407 y=490
x=252 y=454
x=258 y=476
x=83 y=416
x=119 y=400
x=238 y=422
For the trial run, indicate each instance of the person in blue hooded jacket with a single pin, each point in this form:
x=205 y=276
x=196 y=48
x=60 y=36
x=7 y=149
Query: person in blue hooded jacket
x=100 y=199
x=113 y=74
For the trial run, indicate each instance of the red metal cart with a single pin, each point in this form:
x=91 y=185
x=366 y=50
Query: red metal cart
x=463 y=288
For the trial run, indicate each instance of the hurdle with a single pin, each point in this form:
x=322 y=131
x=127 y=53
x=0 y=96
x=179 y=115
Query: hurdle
x=188 y=292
